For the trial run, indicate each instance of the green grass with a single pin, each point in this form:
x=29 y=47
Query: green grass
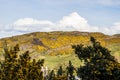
x=115 y=50
x=114 y=47
x=53 y=62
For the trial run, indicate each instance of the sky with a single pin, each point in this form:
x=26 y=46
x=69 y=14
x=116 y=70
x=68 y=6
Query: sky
x=25 y=16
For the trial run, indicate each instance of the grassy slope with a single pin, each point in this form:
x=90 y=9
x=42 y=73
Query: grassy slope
x=115 y=50
x=55 y=61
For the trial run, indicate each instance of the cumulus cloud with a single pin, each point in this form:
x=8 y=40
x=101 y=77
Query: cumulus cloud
x=75 y=22
x=72 y=22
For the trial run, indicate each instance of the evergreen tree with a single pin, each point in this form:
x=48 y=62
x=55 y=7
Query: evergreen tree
x=19 y=68
x=9 y=66
x=70 y=71
x=35 y=70
x=60 y=71
x=98 y=62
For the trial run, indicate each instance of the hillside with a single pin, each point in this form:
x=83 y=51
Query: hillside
x=42 y=44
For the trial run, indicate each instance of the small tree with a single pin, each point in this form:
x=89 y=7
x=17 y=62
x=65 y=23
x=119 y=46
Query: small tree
x=51 y=75
x=98 y=62
x=60 y=71
x=70 y=71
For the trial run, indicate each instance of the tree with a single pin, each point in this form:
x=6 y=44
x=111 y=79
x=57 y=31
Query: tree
x=51 y=75
x=70 y=71
x=98 y=62
x=9 y=66
x=19 y=68
x=60 y=71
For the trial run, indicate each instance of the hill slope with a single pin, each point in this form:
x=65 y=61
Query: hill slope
x=59 y=43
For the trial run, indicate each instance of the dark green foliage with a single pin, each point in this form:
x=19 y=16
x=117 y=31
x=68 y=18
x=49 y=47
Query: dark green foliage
x=99 y=64
x=60 y=71
x=51 y=75
x=70 y=71
x=19 y=68
x=35 y=70
x=10 y=64
x=61 y=75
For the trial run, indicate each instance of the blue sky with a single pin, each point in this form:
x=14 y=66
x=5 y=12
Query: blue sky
x=101 y=16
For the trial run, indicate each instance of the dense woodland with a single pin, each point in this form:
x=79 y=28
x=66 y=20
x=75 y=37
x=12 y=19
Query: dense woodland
x=98 y=64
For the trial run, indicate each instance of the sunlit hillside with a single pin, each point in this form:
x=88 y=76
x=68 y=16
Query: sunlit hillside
x=57 y=45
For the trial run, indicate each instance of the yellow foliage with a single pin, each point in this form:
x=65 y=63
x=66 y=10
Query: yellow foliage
x=55 y=40
x=39 y=48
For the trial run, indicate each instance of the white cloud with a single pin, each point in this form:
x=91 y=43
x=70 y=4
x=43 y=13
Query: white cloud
x=31 y=25
x=115 y=29
x=30 y=21
x=72 y=22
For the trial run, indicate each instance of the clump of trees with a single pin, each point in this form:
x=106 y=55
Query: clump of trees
x=19 y=68
x=99 y=64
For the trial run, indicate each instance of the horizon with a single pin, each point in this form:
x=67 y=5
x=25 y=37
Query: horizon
x=54 y=31
x=21 y=17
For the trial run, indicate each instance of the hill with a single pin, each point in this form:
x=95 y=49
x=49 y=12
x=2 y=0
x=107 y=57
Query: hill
x=49 y=44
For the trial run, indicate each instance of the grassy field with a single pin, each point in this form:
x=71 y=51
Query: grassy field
x=53 y=62
x=115 y=50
